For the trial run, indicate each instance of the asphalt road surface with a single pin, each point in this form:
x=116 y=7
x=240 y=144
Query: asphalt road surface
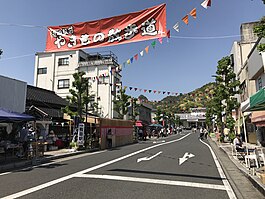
x=178 y=166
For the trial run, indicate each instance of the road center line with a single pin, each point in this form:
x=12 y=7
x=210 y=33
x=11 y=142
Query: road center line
x=154 y=181
x=53 y=182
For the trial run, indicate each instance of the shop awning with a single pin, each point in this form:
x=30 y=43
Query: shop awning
x=9 y=116
x=245 y=105
x=257 y=101
x=138 y=123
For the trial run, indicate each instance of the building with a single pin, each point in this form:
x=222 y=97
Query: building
x=195 y=118
x=12 y=94
x=54 y=71
x=249 y=67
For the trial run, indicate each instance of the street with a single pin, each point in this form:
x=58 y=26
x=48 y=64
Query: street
x=178 y=166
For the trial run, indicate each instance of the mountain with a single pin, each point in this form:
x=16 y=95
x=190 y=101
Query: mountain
x=182 y=103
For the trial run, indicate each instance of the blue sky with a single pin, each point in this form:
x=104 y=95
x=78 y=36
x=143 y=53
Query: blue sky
x=180 y=65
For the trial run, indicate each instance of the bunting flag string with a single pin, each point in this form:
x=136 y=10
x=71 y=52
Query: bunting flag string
x=146 y=50
x=206 y=4
x=149 y=90
x=193 y=13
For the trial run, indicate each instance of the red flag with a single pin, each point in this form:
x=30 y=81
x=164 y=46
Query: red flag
x=145 y=90
x=154 y=91
x=160 y=40
x=136 y=57
x=186 y=19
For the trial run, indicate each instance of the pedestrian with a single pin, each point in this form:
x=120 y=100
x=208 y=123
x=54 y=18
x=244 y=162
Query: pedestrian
x=201 y=133
x=205 y=133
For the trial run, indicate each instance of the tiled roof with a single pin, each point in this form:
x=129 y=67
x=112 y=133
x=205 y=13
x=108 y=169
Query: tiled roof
x=45 y=96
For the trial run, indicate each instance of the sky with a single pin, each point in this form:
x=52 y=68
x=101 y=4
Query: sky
x=180 y=65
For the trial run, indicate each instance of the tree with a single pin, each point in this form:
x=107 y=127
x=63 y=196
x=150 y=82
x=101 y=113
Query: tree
x=80 y=97
x=135 y=106
x=224 y=100
x=260 y=31
x=121 y=104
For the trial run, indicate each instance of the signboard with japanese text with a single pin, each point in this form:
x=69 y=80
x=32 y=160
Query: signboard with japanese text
x=138 y=26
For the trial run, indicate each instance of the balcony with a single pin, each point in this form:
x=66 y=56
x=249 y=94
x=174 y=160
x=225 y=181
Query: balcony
x=97 y=59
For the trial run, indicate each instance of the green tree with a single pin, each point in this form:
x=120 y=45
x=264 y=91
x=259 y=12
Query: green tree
x=224 y=95
x=121 y=104
x=260 y=31
x=80 y=97
x=135 y=109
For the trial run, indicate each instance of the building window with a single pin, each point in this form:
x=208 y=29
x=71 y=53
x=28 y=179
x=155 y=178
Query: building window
x=63 y=61
x=42 y=71
x=259 y=83
x=63 y=83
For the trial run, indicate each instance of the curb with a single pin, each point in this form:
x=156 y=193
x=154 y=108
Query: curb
x=253 y=179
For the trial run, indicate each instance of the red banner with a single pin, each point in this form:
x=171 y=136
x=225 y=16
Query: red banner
x=138 y=26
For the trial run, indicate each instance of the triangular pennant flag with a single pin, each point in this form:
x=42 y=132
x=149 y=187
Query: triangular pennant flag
x=176 y=27
x=153 y=44
x=193 y=13
x=125 y=87
x=164 y=92
x=186 y=19
x=131 y=60
x=176 y=93
x=128 y=61
x=159 y=92
x=136 y=57
x=145 y=90
x=140 y=89
x=142 y=53
x=146 y=49
x=130 y=88
x=206 y=3
x=160 y=40
x=150 y=91
x=135 y=89
x=168 y=93
x=154 y=91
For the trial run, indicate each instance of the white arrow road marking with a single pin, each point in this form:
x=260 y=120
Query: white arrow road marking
x=146 y=158
x=59 y=180
x=185 y=157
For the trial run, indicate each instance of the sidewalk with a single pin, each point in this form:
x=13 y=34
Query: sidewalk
x=236 y=171
x=12 y=163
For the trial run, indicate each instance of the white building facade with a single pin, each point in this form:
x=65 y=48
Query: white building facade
x=54 y=71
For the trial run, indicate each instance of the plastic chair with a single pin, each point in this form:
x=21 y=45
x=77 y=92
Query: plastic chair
x=254 y=156
x=262 y=155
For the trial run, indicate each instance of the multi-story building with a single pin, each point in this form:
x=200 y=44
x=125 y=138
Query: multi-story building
x=249 y=68
x=239 y=54
x=54 y=71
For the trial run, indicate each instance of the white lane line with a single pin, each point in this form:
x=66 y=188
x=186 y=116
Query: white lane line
x=53 y=162
x=53 y=182
x=228 y=187
x=154 y=181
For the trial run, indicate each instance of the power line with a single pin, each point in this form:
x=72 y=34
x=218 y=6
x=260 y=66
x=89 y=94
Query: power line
x=208 y=37
x=16 y=57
